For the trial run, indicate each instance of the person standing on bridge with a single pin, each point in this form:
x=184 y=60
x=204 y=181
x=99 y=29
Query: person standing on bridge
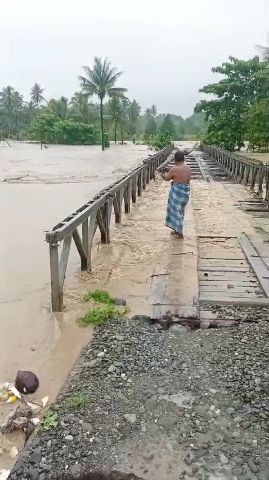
x=180 y=176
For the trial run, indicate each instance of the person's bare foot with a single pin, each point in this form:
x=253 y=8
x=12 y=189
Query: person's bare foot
x=180 y=236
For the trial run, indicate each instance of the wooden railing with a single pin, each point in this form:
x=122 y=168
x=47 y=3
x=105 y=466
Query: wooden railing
x=246 y=170
x=95 y=214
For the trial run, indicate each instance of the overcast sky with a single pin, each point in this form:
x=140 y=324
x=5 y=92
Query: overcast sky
x=166 y=50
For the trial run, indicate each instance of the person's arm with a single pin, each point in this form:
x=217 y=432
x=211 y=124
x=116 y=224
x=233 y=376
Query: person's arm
x=168 y=176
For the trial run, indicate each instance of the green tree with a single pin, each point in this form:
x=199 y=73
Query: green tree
x=7 y=104
x=36 y=94
x=241 y=87
x=59 y=107
x=152 y=111
x=100 y=80
x=168 y=125
x=50 y=128
x=82 y=110
x=258 y=126
x=134 y=111
x=18 y=104
x=160 y=140
x=151 y=127
x=30 y=110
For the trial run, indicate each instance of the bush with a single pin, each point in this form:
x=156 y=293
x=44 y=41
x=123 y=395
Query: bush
x=49 y=128
x=160 y=140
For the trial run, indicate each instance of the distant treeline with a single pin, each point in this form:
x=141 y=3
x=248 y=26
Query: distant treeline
x=79 y=120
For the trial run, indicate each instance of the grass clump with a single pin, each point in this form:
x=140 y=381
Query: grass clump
x=78 y=400
x=99 y=315
x=49 y=421
x=100 y=296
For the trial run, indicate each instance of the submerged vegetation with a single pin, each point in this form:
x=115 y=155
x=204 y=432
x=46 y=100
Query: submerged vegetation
x=103 y=309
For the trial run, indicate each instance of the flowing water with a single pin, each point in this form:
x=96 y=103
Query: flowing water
x=37 y=189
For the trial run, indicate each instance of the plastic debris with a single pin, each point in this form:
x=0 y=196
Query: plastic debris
x=34 y=406
x=35 y=421
x=44 y=401
x=8 y=393
x=26 y=382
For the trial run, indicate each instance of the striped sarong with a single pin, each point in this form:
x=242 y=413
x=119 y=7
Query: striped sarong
x=178 y=198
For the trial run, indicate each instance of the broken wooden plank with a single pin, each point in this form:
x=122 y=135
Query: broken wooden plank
x=81 y=251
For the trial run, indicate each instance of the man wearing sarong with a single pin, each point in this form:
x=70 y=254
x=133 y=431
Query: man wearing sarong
x=180 y=176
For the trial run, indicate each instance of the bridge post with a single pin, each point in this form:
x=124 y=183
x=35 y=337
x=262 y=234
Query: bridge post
x=56 y=288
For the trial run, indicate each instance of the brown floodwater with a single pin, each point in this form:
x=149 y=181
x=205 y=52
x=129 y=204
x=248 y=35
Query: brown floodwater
x=37 y=189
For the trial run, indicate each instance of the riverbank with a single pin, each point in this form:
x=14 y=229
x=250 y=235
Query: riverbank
x=161 y=404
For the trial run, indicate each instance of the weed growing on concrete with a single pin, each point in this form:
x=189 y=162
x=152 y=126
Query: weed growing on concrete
x=99 y=315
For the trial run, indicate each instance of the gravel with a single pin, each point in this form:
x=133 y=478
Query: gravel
x=176 y=404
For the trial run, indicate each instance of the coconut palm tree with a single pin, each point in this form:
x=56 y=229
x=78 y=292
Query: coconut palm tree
x=100 y=81
x=59 y=107
x=30 y=110
x=37 y=94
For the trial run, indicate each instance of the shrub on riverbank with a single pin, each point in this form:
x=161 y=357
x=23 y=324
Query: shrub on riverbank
x=49 y=128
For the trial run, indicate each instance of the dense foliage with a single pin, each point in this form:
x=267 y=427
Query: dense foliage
x=49 y=128
x=160 y=140
x=238 y=111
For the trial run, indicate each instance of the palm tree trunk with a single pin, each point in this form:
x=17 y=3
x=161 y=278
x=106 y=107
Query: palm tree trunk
x=102 y=123
x=9 y=125
x=115 y=133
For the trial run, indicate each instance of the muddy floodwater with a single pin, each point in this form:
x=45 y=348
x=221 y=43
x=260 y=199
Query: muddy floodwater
x=37 y=189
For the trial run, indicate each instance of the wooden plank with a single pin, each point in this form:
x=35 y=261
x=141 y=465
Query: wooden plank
x=219 y=283
x=127 y=198
x=82 y=253
x=85 y=238
x=134 y=189
x=56 y=288
x=101 y=225
x=211 y=268
x=92 y=230
x=222 y=262
x=259 y=267
x=223 y=288
x=229 y=294
x=64 y=258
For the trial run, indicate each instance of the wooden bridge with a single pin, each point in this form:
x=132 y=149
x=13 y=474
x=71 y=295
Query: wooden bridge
x=95 y=214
